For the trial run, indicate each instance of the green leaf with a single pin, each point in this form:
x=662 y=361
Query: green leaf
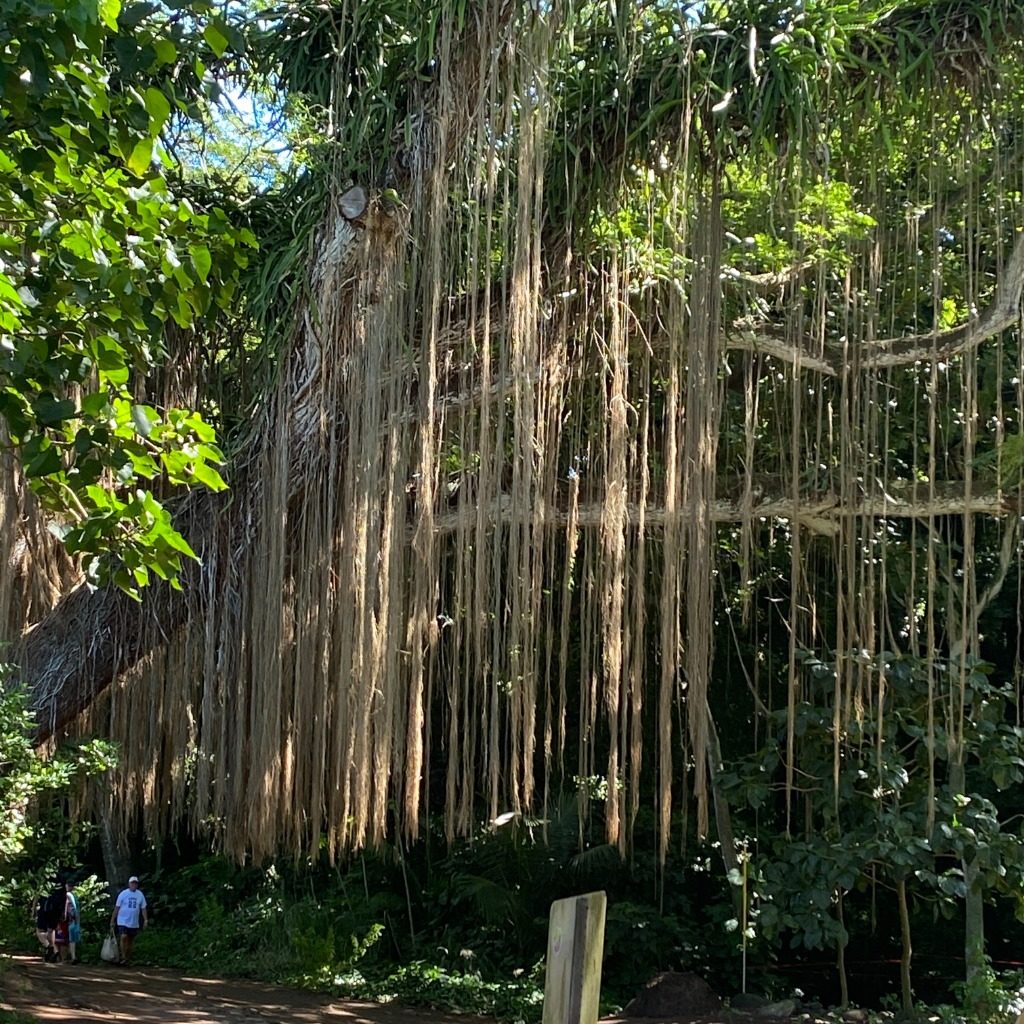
x=96 y=404
x=200 y=428
x=178 y=542
x=109 y=10
x=51 y=411
x=141 y=159
x=208 y=476
x=216 y=39
x=45 y=462
x=166 y=51
x=201 y=260
x=116 y=376
x=145 y=418
x=135 y=13
x=158 y=108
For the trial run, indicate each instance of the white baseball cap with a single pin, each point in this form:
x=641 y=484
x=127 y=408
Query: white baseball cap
x=134 y=878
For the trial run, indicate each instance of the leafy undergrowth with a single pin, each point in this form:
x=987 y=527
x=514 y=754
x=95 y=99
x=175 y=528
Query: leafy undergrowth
x=424 y=984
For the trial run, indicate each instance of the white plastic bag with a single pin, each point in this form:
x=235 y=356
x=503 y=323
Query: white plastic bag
x=110 y=952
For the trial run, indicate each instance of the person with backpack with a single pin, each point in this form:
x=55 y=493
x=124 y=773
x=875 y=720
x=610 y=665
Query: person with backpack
x=44 y=929
x=49 y=913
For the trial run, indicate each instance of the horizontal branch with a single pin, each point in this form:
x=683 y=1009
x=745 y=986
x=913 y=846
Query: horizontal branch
x=1002 y=314
x=819 y=512
x=770 y=281
x=774 y=340
x=770 y=343
x=73 y=654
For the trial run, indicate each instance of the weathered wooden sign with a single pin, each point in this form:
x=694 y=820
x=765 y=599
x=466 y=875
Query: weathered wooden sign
x=572 y=986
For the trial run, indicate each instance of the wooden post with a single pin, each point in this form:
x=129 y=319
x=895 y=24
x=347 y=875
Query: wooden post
x=572 y=985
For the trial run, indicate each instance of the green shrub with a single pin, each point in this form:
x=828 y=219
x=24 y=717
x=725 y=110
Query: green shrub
x=301 y=944
x=987 y=998
x=424 y=984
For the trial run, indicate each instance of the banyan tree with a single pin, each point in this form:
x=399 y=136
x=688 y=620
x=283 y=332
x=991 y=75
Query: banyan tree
x=601 y=362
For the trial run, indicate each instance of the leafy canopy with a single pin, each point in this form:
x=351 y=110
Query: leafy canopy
x=97 y=257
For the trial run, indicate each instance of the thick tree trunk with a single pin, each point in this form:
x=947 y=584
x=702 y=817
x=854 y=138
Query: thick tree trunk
x=92 y=635
x=74 y=654
x=115 y=861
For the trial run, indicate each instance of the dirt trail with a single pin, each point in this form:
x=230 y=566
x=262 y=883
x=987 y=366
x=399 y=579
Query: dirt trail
x=146 y=995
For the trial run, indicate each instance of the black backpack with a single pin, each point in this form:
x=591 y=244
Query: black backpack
x=54 y=907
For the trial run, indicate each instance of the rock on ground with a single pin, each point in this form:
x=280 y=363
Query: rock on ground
x=674 y=994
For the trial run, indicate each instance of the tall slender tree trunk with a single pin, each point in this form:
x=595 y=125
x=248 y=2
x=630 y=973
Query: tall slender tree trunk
x=974 y=931
x=906 y=991
x=844 y=982
x=723 y=814
x=974 y=904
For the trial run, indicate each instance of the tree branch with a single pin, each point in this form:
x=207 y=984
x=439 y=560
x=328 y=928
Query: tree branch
x=1002 y=314
x=771 y=281
x=818 y=512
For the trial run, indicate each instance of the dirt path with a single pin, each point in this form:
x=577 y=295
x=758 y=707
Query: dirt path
x=59 y=994
x=145 y=995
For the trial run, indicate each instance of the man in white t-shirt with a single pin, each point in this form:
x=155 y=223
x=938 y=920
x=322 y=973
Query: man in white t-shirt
x=129 y=917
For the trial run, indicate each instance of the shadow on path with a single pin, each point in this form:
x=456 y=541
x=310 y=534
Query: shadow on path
x=149 y=995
